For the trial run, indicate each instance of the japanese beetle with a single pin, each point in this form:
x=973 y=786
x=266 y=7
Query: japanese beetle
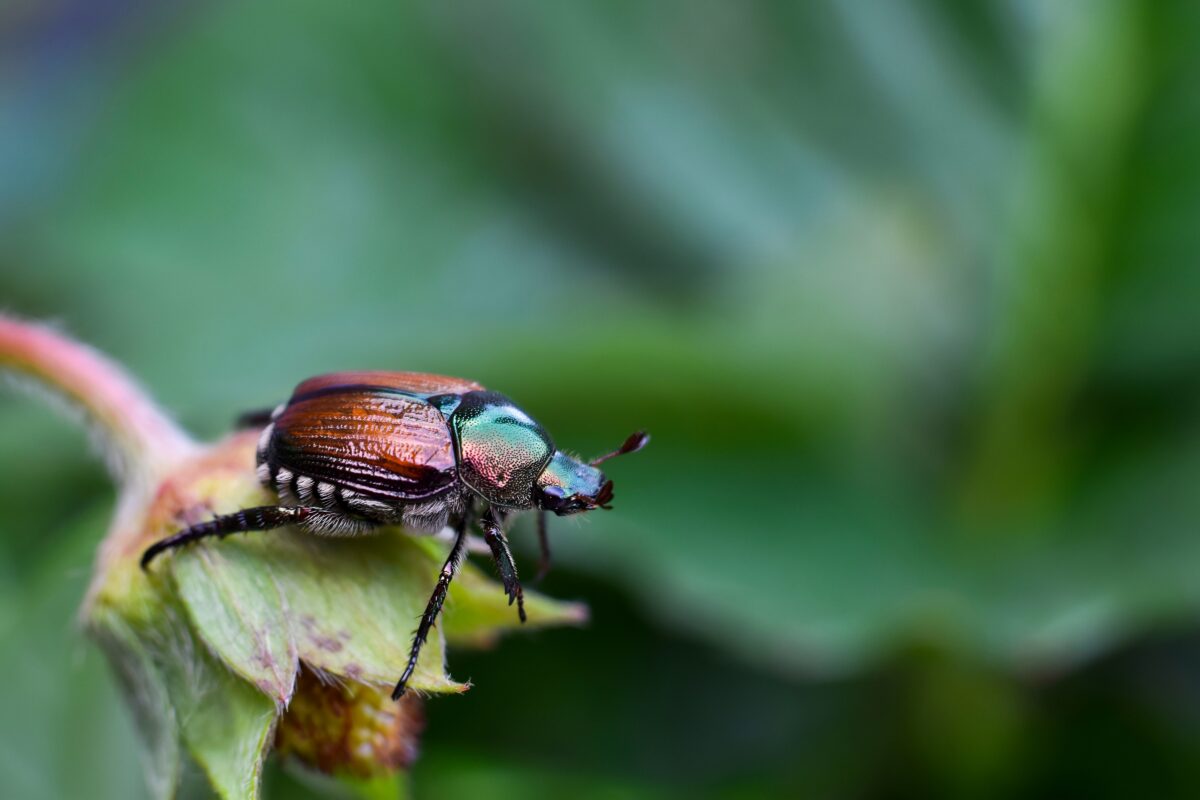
x=352 y=451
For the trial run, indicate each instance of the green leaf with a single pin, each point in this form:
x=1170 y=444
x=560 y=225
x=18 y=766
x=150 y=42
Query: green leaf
x=181 y=693
x=145 y=690
x=226 y=723
x=477 y=609
x=240 y=611
x=346 y=606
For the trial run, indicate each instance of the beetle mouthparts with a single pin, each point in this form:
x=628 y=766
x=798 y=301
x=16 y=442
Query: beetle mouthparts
x=604 y=496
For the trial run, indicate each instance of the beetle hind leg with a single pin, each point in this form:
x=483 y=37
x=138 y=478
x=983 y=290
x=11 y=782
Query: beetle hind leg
x=261 y=518
x=257 y=418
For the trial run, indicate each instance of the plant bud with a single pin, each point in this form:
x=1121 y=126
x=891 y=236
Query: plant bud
x=218 y=646
x=347 y=728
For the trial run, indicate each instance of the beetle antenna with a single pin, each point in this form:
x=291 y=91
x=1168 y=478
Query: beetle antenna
x=635 y=442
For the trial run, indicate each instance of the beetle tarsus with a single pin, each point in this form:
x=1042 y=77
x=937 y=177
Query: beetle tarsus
x=449 y=569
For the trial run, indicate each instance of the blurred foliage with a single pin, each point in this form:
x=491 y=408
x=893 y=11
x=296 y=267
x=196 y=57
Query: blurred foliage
x=904 y=292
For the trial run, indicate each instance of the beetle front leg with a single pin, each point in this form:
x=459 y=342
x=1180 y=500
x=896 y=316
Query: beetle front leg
x=434 y=606
x=494 y=536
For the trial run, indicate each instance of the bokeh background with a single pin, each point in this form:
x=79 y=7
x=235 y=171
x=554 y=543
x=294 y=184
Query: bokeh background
x=906 y=292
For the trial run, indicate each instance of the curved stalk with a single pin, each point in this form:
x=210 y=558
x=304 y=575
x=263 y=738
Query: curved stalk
x=137 y=438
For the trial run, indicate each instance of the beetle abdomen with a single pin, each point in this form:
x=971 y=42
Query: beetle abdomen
x=385 y=447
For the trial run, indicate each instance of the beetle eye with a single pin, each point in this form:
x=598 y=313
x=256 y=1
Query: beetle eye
x=554 y=491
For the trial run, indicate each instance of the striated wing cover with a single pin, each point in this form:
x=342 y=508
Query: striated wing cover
x=387 y=446
x=418 y=383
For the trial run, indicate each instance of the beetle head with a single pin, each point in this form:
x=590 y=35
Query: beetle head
x=568 y=486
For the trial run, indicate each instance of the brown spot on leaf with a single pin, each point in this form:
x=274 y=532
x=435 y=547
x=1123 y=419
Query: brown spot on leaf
x=264 y=657
x=326 y=643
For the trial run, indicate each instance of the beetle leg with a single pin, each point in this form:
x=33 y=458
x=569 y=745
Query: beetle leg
x=494 y=536
x=544 y=546
x=248 y=519
x=258 y=418
x=435 y=605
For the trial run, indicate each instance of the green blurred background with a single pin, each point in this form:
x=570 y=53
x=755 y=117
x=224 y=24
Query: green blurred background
x=902 y=289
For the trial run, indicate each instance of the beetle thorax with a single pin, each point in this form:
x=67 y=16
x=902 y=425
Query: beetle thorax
x=501 y=450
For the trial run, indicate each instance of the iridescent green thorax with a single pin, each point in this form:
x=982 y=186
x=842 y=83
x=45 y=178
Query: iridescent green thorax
x=507 y=458
x=501 y=449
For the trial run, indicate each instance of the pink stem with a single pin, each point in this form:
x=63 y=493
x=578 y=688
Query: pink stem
x=135 y=431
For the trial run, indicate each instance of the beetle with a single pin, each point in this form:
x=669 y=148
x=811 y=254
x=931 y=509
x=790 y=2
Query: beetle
x=351 y=451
